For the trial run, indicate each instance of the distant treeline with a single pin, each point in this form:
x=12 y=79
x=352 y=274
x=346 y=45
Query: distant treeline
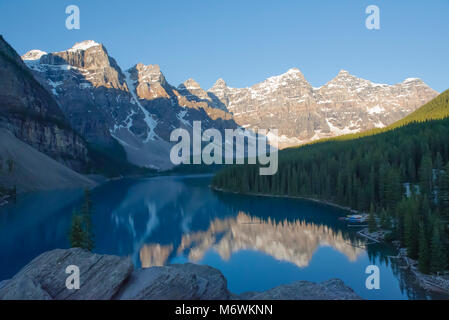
x=401 y=174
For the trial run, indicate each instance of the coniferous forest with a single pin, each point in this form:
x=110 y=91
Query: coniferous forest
x=399 y=174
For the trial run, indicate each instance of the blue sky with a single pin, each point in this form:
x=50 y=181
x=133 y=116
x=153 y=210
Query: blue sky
x=245 y=42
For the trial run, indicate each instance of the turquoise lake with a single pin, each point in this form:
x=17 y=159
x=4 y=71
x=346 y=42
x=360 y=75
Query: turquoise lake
x=256 y=242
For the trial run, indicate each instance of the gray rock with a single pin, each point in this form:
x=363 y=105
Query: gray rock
x=212 y=283
x=176 y=282
x=112 y=277
x=101 y=276
x=24 y=288
x=333 y=289
x=3 y=283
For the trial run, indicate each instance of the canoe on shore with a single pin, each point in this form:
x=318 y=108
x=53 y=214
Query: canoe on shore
x=354 y=218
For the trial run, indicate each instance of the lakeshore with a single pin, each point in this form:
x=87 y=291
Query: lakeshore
x=435 y=283
x=320 y=201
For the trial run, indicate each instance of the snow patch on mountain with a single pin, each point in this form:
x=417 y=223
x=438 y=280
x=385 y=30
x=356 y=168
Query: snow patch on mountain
x=338 y=132
x=149 y=120
x=84 y=45
x=33 y=55
x=180 y=115
x=54 y=85
x=375 y=110
x=411 y=80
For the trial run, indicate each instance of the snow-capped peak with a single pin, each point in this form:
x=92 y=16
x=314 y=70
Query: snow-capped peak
x=293 y=71
x=219 y=83
x=411 y=80
x=343 y=72
x=344 y=76
x=33 y=55
x=149 y=73
x=189 y=84
x=84 y=45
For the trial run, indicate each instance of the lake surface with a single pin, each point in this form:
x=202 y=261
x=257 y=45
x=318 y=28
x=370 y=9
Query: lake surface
x=256 y=242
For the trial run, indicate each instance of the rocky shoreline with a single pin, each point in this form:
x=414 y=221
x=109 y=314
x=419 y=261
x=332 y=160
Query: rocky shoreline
x=107 y=277
x=429 y=282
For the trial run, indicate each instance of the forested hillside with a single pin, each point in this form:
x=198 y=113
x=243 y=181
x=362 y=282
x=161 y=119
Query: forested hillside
x=435 y=109
x=401 y=174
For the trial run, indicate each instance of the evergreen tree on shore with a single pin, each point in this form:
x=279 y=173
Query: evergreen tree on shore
x=438 y=259
x=424 y=259
x=425 y=176
x=81 y=234
x=443 y=192
x=77 y=234
x=372 y=225
x=86 y=213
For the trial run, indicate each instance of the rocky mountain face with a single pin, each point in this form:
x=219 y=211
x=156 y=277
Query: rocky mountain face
x=32 y=115
x=139 y=108
x=301 y=113
x=32 y=170
x=88 y=85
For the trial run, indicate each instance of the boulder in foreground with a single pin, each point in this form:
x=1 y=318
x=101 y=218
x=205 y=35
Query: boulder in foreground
x=105 y=277
x=44 y=277
x=333 y=289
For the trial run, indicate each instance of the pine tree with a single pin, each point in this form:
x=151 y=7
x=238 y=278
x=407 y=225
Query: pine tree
x=86 y=213
x=383 y=169
x=383 y=219
x=81 y=234
x=77 y=234
x=372 y=225
x=411 y=228
x=443 y=192
x=393 y=189
x=423 y=259
x=372 y=186
x=438 y=164
x=425 y=176
x=411 y=170
x=438 y=259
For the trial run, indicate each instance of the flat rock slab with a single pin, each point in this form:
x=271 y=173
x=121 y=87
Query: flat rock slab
x=176 y=282
x=104 y=277
x=333 y=289
x=101 y=276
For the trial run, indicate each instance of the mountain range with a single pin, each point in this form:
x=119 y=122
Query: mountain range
x=139 y=108
x=136 y=107
x=68 y=103
x=346 y=104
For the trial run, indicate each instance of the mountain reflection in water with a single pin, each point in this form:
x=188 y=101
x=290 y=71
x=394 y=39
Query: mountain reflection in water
x=294 y=241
